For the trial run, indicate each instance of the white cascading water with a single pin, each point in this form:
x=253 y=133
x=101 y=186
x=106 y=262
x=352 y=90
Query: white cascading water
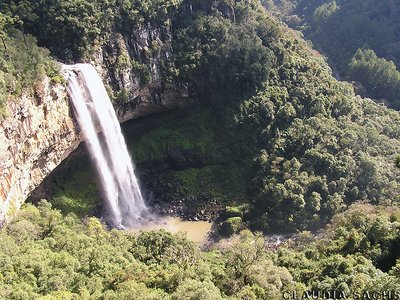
x=94 y=113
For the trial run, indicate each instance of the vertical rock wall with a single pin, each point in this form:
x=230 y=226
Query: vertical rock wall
x=37 y=133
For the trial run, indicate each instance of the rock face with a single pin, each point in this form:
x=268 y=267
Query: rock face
x=131 y=67
x=39 y=132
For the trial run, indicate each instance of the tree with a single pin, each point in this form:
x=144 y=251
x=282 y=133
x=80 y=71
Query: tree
x=5 y=23
x=378 y=75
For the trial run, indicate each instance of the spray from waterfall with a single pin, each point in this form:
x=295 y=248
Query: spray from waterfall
x=95 y=113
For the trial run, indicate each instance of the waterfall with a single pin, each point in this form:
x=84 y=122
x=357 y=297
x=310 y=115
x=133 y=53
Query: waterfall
x=95 y=113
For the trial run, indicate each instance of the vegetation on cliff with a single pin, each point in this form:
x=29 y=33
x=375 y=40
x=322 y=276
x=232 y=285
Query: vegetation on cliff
x=83 y=26
x=23 y=65
x=315 y=147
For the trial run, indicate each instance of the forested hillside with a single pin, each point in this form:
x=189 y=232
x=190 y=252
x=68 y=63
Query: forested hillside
x=45 y=255
x=309 y=151
x=344 y=29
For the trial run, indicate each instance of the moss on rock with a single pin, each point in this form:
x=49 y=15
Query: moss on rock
x=77 y=192
x=230 y=212
x=230 y=226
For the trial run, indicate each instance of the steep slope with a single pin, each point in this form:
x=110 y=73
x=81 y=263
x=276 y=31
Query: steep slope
x=316 y=147
x=35 y=125
x=341 y=29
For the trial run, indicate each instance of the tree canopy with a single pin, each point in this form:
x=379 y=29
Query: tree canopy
x=338 y=28
x=45 y=255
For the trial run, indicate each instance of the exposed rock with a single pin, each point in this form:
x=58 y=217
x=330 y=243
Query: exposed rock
x=35 y=137
x=118 y=62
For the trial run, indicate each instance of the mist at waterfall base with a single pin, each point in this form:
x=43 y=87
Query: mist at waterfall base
x=94 y=112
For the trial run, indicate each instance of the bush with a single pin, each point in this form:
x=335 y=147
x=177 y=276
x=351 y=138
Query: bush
x=231 y=211
x=230 y=226
x=23 y=66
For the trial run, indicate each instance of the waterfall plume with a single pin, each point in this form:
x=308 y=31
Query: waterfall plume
x=95 y=113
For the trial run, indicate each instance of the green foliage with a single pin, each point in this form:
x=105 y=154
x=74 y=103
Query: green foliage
x=195 y=130
x=142 y=71
x=124 y=64
x=23 y=65
x=338 y=28
x=379 y=76
x=231 y=59
x=315 y=147
x=121 y=97
x=231 y=211
x=82 y=26
x=65 y=255
x=156 y=247
x=197 y=290
x=397 y=161
x=77 y=192
x=230 y=226
x=133 y=14
x=45 y=255
x=323 y=12
x=195 y=154
x=369 y=231
x=78 y=24
x=319 y=147
x=251 y=272
x=350 y=253
x=224 y=182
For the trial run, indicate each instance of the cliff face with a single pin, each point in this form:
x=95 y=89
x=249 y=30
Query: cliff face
x=131 y=66
x=39 y=132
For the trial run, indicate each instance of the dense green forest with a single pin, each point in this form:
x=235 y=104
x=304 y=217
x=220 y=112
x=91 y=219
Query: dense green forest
x=83 y=25
x=309 y=150
x=340 y=29
x=45 y=255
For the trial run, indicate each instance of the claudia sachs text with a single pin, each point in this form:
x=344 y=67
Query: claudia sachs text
x=364 y=295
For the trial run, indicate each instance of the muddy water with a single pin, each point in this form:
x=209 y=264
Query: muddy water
x=196 y=231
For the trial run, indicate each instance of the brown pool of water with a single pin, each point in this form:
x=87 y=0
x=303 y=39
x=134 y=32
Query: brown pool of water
x=196 y=231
